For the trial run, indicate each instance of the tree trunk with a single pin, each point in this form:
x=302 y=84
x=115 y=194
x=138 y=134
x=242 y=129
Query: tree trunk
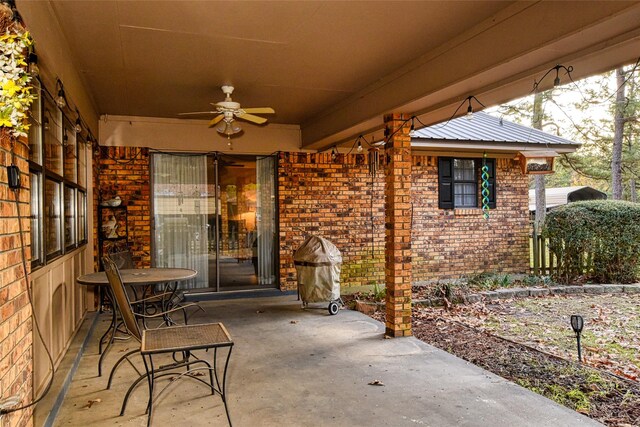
x=616 y=151
x=541 y=199
x=634 y=193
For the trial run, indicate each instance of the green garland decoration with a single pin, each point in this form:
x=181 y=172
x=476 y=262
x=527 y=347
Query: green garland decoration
x=484 y=176
x=16 y=93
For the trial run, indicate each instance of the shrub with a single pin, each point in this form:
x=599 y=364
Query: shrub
x=599 y=239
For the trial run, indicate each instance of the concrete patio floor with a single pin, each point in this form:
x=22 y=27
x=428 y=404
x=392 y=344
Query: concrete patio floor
x=291 y=367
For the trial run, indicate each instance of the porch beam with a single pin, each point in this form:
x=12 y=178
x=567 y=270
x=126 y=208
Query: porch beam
x=497 y=60
x=398 y=225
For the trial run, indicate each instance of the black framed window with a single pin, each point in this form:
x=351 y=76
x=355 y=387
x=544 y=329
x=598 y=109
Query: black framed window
x=52 y=218
x=58 y=171
x=70 y=218
x=37 y=233
x=36 y=171
x=459 y=182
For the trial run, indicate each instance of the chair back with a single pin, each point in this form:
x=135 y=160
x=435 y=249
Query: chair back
x=119 y=293
x=123 y=259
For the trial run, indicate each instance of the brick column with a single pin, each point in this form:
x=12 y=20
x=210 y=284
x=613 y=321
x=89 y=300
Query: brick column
x=398 y=226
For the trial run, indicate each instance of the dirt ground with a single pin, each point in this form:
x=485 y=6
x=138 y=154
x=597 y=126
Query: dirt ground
x=529 y=341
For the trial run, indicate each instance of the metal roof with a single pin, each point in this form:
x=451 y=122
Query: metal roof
x=486 y=128
x=563 y=195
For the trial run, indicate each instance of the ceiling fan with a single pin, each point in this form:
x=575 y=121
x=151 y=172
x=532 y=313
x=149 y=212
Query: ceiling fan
x=228 y=110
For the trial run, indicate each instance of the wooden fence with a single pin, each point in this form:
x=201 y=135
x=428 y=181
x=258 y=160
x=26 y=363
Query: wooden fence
x=542 y=261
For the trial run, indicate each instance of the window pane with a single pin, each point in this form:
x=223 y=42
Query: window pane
x=35 y=131
x=70 y=152
x=53 y=240
x=36 y=219
x=82 y=217
x=82 y=163
x=465 y=194
x=463 y=170
x=69 y=217
x=52 y=122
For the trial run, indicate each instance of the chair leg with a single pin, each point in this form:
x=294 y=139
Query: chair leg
x=110 y=329
x=224 y=386
x=131 y=388
x=115 y=367
x=150 y=380
x=106 y=348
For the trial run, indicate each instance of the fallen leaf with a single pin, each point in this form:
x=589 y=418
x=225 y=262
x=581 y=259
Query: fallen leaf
x=293 y=322
x=91 y=402
x=376 y=382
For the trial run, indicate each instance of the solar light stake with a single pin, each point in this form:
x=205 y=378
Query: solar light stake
x=577 y=323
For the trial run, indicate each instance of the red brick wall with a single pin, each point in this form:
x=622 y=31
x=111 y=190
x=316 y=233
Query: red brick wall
x=15 y=313
x=333 y=199
x=459 y=242
x=124 y=172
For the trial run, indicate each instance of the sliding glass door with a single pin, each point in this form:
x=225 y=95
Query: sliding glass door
x=216 y=214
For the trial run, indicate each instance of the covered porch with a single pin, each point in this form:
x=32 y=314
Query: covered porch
x=335 y=73
x=294 y=367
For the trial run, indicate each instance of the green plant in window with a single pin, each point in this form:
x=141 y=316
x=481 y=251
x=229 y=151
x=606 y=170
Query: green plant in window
x=16 y=94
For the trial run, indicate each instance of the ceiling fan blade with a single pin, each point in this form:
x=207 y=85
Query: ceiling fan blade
x=260 y=110
x=215 y=120
x=197 y=113
x=252 y=118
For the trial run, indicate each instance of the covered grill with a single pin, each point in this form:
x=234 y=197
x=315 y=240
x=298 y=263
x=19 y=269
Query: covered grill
x=318 y=263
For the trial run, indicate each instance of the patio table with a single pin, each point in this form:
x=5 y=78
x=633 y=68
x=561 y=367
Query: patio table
x=134 y=277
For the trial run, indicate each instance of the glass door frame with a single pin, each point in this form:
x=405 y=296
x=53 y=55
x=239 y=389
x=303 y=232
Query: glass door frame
x=216 y=156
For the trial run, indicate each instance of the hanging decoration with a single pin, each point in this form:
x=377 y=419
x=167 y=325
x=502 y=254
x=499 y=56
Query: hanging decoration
x=374 y=160
x=16 y=94
x=484 y=176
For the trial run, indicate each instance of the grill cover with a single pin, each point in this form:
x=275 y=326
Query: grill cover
x=318 y=264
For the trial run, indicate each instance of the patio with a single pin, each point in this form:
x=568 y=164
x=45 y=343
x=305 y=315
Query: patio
x=293 y=367
x=113 y=82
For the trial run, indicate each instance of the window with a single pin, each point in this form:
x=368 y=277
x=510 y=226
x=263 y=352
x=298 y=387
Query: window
x=82 y=162
x=70 y=218
x=37 y=256
x=82 y=217
x=52 y=125
x=70 y=152
x=52 y=218
x=35 y=130
x=35 y=172
x=459 y=182
x=58 y=172
x=464 y=183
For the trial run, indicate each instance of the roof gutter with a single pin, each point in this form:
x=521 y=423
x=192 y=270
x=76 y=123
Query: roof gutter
x=431 y=145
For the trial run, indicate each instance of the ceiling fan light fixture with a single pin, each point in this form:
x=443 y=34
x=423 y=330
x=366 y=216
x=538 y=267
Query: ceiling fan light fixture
x=229 y=127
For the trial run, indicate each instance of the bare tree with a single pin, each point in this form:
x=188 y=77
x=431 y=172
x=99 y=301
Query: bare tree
x=540 y=191
x=618 y=133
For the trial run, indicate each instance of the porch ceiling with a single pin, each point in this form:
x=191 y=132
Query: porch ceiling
x=334 y=68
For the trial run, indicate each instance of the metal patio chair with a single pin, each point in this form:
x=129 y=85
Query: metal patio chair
x=152 y=306
x=150 y=303
x=179 y=341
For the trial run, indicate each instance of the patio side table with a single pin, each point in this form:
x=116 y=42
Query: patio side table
x=185 y=339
